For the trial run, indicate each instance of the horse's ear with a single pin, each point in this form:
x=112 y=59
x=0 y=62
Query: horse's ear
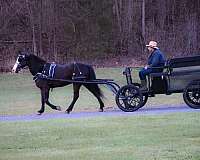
x=19 y=52
x=27 y=55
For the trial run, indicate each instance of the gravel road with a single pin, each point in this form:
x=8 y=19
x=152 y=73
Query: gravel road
x=73 y=115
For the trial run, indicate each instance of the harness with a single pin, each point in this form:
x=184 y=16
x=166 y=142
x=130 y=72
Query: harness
x=51 y=70
x=79 y=75
x=47 y=72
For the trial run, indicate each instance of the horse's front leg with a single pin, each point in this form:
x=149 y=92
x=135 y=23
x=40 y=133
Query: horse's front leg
x=42 y=90
x=48 y=103
x=76 y=88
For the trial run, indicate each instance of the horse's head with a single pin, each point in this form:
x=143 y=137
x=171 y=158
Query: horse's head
x=21 y=62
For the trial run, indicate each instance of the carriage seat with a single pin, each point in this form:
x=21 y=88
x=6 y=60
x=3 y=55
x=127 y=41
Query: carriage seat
x=184 y=65
x=181 y=65
x=156 y=78
x=184 y=62
x=158 y=74
x=178 y=65
x=162 y=72
x=158 y=81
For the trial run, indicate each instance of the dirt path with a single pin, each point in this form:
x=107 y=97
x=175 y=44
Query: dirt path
x=145 y=111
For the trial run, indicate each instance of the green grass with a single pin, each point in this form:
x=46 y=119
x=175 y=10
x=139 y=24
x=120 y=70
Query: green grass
x=162 y=137
x=19 y=95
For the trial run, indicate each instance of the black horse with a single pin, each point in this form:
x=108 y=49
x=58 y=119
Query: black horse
x=38 y=66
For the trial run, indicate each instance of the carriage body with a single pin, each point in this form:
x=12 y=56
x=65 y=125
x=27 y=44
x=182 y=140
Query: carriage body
x=179 y=75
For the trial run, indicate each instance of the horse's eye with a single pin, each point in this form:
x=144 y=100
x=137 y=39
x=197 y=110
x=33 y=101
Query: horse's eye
x=19 y=59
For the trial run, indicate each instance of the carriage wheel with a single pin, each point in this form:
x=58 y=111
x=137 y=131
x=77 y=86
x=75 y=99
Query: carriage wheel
x=129 y=98
x=144 y=95
x=191 y=95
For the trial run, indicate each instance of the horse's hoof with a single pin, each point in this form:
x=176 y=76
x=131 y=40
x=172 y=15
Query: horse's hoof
x=58 y=108
x=38 y=113
x=67 y=111
x=100 y=110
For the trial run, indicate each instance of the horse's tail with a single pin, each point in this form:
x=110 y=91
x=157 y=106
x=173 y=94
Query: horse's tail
x=95 y=87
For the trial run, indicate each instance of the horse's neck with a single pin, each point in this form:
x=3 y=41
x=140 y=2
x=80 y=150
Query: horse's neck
x=36 y=64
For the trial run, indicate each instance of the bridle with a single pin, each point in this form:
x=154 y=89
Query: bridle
x=21 y=65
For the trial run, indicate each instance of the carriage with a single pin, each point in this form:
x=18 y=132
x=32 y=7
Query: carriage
x=179 y=75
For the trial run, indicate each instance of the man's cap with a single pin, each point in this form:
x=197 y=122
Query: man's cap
x=152 y=44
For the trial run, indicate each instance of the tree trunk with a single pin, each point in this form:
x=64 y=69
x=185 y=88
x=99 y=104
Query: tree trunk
x=41 y=27
x=143 y=19
x=34 y=45
x=54 y=32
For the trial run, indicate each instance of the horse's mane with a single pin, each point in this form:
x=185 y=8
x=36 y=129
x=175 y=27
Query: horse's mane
x=36 y=64
x=38 y=59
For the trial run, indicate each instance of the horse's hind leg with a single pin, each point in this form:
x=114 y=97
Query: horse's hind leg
x=76 y=88
x=94 y=89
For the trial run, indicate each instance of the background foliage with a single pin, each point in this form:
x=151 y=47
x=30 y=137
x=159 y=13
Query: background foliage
x=95 y=30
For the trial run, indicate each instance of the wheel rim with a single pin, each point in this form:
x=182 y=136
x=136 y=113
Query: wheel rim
x=144 y=96
x=193 y=95
x=129 y=99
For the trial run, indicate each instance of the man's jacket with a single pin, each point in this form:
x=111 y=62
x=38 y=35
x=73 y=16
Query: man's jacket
x=156 y=59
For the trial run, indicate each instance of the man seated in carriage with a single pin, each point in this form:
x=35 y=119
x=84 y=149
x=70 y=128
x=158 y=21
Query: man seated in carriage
x=156 y=59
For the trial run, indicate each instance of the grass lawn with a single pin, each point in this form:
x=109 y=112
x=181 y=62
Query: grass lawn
x=19 y=95
x=161 y=137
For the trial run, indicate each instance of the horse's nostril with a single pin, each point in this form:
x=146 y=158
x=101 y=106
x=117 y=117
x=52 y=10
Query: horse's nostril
x=14 y=71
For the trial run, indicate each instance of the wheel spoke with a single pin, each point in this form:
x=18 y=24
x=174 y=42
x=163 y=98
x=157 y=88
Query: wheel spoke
x=129 y=98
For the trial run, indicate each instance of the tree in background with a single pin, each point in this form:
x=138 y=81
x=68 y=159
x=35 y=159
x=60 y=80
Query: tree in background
x=67 y=30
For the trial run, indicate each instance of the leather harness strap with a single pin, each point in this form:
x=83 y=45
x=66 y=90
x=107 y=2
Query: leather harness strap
x=49 y=69
x=76 y=67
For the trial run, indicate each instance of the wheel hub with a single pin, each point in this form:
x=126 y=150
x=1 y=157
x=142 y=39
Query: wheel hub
x=196 y=95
